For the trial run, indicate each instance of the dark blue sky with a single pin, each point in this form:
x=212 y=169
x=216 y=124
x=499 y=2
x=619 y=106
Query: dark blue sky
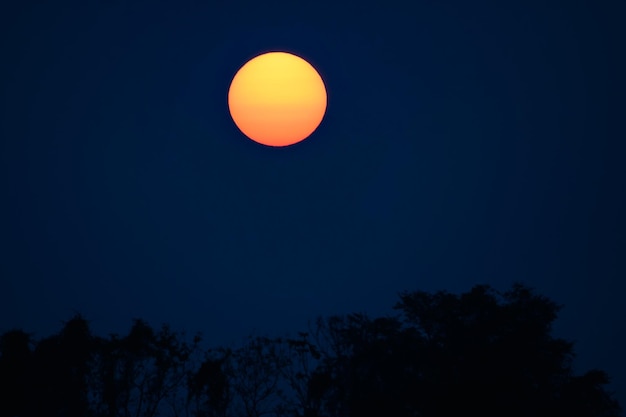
x=464 y=143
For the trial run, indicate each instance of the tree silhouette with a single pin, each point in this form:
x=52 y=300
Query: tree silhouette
x=15 y=370
x=302 y=357
x=440 y=354
x=143 y=374
x=480 y=353
x=209 y=388
x=255 y=370
x=60 y=372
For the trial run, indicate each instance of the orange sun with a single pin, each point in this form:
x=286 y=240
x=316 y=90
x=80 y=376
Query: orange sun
x=277 y=99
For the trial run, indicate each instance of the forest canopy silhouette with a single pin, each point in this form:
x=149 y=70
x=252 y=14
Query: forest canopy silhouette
x=483 y=353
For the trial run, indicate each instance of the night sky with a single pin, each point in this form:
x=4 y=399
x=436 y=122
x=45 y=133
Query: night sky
x=465 y=142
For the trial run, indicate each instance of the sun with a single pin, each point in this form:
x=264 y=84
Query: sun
x=277 y=99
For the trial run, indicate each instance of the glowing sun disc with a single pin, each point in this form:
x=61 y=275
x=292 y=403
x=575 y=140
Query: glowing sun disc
x=277 y=99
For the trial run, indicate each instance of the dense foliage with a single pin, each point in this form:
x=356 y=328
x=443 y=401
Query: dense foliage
x=479 y=353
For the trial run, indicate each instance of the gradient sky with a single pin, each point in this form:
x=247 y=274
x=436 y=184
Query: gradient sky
x=464 y=143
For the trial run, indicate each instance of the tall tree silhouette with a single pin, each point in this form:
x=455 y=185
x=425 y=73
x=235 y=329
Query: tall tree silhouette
x=209 y=391
x=302 y=357
x=255 y=371
x=142 y=374
x=480 y=353
x=58 y=383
